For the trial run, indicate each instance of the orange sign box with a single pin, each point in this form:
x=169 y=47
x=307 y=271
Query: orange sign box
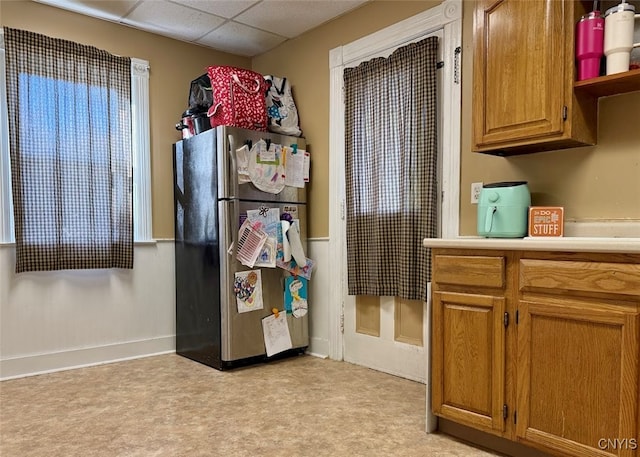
x=546 y=221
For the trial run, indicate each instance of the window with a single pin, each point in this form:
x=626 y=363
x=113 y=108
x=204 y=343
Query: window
x=139 y=143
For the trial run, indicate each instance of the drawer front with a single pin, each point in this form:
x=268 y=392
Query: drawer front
x=589 y=277
x=483 y=271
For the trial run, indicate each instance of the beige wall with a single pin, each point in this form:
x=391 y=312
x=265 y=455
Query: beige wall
x=600 y=182
x=174 y=65
x=305 y=62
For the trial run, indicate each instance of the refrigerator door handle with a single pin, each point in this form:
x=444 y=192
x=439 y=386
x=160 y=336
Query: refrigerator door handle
x=233 y=172
x=226 y=164
x=228 y=211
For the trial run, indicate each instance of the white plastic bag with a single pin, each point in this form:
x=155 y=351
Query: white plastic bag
x=281 y=109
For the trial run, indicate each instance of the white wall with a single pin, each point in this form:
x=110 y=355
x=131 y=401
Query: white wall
x=318 y=250
x=58 y=320
x=52 y=321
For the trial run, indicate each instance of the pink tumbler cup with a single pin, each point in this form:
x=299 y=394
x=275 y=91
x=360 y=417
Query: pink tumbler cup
x=589 y=45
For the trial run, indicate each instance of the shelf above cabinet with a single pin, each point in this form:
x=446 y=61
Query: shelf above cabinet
x=604 y=86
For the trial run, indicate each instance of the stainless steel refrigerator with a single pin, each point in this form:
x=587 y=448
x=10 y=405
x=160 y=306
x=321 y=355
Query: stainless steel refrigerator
x=210 y=205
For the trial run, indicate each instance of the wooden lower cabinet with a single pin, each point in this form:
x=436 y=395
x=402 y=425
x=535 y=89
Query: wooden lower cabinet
x=550 y=360
x=577 y=383
x=468 y=357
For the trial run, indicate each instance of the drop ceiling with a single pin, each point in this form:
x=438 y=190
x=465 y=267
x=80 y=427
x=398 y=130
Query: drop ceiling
x=243 y=27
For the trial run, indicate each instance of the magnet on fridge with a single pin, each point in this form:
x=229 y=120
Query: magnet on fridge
x=275 y=312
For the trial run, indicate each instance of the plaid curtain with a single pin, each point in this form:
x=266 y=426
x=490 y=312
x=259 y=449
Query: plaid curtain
x=391 y=171
x=70 y=149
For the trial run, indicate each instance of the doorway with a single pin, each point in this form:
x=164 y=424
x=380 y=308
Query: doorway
x=386 y=333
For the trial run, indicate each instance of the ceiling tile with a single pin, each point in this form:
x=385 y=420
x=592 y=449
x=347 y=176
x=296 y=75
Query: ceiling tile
x=241 y=39
x=256 y=27
x=293 y=17
x=183 y=22
x=224 y=8
x=108 y=9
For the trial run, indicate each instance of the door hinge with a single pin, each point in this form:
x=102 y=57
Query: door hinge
x=505 y=411
x=515 y=417
x=565 y=112
x=506 y=320
x=342 y=209
x=517 y=317
x=342 y=319
x=456 y=65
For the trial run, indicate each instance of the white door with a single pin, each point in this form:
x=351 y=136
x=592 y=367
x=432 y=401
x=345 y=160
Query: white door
x=386 y=333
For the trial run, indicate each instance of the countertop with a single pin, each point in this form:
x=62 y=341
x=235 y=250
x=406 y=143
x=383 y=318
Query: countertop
x=573 y=244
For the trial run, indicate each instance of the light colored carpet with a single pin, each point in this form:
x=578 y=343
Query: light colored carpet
x=171 y=406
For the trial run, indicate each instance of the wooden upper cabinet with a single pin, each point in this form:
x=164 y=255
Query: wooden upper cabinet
x=523 y=75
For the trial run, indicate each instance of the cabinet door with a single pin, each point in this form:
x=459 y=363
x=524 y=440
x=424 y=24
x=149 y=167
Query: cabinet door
x=468 y=359
x=577 y=370
x=519 y=72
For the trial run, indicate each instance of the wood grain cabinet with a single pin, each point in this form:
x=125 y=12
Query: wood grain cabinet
x=578 y=353
x=471 y=362
x=523 y=78
x=545 y=351
x=468 y=350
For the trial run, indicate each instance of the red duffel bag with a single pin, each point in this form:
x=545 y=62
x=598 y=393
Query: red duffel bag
x=238 y=98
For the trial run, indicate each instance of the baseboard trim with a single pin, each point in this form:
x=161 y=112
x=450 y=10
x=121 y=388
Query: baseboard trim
x=32 y=365
x=320 y=356
x=318 y=347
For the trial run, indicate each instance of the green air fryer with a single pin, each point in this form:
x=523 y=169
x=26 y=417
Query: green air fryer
x=503 y=209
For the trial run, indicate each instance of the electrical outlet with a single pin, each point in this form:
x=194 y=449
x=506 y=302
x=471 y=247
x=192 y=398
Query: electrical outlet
x=476 y=187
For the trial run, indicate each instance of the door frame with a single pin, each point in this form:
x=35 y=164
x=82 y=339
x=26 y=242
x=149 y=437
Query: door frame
x=447 y=17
